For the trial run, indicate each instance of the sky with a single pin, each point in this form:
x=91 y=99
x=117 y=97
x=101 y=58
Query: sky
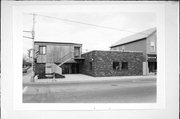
x=91 y=37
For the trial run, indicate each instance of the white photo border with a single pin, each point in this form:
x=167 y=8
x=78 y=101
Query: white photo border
x=18 y=11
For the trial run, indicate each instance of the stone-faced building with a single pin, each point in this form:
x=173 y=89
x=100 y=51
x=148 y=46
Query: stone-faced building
x=112 y=63
x=145 y=42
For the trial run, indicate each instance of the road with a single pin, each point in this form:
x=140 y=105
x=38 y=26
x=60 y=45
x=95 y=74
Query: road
x=116 y=91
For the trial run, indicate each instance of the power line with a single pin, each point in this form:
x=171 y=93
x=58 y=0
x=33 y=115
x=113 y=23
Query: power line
x=84 y=23
x=27 y=31
x=27 y=37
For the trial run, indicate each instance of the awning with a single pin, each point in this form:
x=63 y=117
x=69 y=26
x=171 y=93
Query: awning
x=71 y=61
x=152 y=58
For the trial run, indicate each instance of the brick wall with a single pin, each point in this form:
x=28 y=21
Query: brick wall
x=102 y=63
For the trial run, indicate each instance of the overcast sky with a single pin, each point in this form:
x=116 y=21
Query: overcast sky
x=92 y=38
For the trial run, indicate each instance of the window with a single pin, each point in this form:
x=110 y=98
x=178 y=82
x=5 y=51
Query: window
x=90 y=66
x=152 y=46
x=42 y=50
x=124 y=65
x=76 y=51
x=123 y=48
x=115 y=65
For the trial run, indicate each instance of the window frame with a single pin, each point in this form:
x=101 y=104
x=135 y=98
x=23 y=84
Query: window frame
x=78 y=49
x=124 y=66
x=118 y=64
x=42 y=53
x=152 y=46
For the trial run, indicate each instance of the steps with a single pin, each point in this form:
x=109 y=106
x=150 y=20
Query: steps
x=51 y=75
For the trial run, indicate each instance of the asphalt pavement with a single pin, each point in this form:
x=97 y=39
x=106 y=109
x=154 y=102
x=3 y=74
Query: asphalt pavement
x=122 y=90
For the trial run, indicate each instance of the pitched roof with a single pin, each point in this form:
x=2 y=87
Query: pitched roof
x=135 y=37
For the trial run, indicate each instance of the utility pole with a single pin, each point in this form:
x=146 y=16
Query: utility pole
x=33 y=50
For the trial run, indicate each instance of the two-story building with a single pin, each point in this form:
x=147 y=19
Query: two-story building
x=146 y=42
x=58 y=57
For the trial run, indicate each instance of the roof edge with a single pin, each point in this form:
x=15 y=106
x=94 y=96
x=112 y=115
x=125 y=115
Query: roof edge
x=56 y=42
x=113 y=51
x=142 y=32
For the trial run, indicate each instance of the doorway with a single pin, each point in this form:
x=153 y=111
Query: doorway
x=152 y=67
x=72 y=68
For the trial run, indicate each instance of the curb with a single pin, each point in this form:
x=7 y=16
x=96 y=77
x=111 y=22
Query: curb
x=64 y=81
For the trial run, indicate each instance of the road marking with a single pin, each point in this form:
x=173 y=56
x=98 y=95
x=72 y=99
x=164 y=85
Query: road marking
x=25 y=89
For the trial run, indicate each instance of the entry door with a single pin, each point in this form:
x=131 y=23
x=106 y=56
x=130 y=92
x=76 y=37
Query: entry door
x=75 y=68
x=66 y=69
x=152 y=67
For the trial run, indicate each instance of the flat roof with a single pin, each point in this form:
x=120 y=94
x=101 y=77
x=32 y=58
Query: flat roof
x=47 y=42
x=114 y=51
x=134 y=37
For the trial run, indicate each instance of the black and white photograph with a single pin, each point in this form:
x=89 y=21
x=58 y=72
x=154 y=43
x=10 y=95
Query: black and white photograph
x=89 y=57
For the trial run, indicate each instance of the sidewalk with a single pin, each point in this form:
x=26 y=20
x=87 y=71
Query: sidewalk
x=80 y=78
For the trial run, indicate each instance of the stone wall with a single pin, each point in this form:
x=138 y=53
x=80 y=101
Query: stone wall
x=85 y=65
x=102 y=63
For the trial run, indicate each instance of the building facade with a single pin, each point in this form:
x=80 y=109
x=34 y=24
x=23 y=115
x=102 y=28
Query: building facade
x=145 y=42
x=112 y=63
x=61 y=58
x=55 y=59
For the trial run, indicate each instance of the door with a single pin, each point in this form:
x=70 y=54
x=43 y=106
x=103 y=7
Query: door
x=75 y=68
x=66 y=69
x=152 y=67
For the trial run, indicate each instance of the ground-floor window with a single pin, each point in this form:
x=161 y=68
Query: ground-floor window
x=124 y=65
x=115 y=65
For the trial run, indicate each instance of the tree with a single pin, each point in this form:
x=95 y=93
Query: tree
x=26 y=61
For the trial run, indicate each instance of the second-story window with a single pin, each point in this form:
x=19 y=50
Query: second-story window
x=152 y=46
x=123 y=48
x=42 y=50
x=76 y=51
